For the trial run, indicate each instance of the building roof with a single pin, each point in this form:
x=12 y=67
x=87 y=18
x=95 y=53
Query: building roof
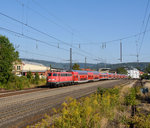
x=34 y=70
x=34 y=63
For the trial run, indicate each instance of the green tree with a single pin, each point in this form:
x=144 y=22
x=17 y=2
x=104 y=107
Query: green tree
x=36 y=78
x=121 y=70
x=76 y=66
x=29 y=75
x=8 y=55
x=147 y=69
x=50 y=67
x=145 y=76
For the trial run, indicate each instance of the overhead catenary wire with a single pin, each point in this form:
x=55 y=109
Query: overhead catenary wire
x=115 y=40
x=33 y=28
x=45 y=17
x=145 y=13
x=63 y=41
x=71 y=30
x=43 y=55
x=40 y=41
x=144 y=33
x=69 y=44
x=24 y=51
x=72 y=33
x=141 y=29
x=40 y=31
x=31 y=38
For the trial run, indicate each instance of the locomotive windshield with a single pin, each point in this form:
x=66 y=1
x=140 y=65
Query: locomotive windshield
x=49 y=74
x=54 y=74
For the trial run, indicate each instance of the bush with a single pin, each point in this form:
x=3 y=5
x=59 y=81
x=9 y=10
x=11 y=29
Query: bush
x=16 y=82
x=145 y=76
x=29 y=75
x=130 y=98
x=36 y=78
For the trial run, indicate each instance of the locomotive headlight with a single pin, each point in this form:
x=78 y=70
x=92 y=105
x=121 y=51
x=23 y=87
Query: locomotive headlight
x=49 y=79
x=53 y=79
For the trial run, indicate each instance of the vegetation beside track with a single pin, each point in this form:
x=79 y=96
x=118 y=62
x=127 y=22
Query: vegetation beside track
x=116 y=107
x=19 y=83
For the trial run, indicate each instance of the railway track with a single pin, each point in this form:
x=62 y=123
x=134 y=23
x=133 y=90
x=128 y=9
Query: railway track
x=22 y=109
x=17 y=92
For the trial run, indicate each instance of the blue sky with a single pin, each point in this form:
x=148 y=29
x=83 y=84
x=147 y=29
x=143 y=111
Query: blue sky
x=74 y=22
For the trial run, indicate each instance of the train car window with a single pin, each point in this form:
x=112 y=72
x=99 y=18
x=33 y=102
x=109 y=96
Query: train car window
x=62 y=74
x=49 y=74
x=54 y=74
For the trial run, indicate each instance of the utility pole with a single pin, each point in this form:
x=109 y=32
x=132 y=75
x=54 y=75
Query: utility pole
x=137 y=58
x=105 y=63
x=137 y=54
x=120 y=51
x=70 y=59
x=85 y=64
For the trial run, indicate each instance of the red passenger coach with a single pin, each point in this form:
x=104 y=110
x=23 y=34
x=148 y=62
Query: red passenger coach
x=90 y=76
x=82 y=76
x=75 y=77
x=95 y=76
x=103 y=76
x=110 y=75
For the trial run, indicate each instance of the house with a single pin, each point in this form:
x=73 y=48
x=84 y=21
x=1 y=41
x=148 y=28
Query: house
x=17 y=68
x=133 y=73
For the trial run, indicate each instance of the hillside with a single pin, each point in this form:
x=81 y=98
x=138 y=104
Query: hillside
x=140 y=65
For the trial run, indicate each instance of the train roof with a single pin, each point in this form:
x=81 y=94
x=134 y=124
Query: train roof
x=103 y=73
x=80 y=72
x=95 y=72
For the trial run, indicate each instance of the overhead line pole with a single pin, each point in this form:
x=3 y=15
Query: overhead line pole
x=85 y=64
x=120 y=51
x=70 y=59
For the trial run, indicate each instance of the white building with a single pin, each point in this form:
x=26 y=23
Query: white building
x=134 y=73
x=32 y=66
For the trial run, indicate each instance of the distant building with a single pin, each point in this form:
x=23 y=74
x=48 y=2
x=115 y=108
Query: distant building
x=133 y=73
x=104 y=70
x=34 y=68
x=20 y=68
x=17 y=68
